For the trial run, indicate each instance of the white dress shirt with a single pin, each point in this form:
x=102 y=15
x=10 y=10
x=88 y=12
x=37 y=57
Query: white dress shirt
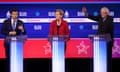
x=12 y=23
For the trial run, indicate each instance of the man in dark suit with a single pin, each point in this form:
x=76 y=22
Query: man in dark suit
x=11 y=27
x=105 y=26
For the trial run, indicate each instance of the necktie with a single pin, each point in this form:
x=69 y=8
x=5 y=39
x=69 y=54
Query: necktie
x=13 y=26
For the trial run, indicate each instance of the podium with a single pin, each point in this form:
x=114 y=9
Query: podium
x=58 y=53
x=16 y=52
x=100 y=52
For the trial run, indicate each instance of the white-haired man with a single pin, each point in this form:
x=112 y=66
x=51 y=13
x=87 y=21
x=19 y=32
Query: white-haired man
x=105 y=26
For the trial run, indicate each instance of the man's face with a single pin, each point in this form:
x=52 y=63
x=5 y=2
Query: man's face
x=14 y=15
x=104 y=13
x=57 y=15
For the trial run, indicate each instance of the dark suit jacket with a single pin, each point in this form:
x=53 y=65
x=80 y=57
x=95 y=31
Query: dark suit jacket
x=7 y=27
x=104 y=27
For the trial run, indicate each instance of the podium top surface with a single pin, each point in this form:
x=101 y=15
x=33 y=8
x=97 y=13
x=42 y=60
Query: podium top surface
x=58 y=37
x=20 y=37
x=106 y=37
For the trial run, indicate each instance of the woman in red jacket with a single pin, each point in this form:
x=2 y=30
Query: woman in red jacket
x=59 y=27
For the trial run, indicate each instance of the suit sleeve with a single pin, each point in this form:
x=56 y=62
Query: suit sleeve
x=19 y=31
x=95 y=18
x=67 y=30
x=51 y=29
x=111 y=27
x=24 y=29
x=4 y=29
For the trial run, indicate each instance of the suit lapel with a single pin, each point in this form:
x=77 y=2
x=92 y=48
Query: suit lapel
x=10 y=24
x=105 y=19
x=16 y=24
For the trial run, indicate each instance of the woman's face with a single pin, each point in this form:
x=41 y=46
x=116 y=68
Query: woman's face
x=58 y=15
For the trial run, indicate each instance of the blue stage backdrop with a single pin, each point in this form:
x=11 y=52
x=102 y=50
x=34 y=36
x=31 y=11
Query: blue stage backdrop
x=37 y=18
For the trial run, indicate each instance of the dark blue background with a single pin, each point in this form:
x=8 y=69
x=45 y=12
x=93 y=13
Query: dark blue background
x=78 y=30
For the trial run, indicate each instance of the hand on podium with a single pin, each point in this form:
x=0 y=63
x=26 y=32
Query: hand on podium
x=12 y=33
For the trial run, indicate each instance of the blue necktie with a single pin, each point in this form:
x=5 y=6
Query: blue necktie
x=13 y=26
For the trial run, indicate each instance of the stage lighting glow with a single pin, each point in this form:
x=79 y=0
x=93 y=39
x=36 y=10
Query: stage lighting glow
x=16 y=58
x=100 y=55
x=58 y=64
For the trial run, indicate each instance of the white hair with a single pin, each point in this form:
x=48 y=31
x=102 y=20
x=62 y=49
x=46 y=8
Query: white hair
x=106 y=9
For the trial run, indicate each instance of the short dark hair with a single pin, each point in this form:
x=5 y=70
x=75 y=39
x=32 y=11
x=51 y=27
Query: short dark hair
x=13 y=10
